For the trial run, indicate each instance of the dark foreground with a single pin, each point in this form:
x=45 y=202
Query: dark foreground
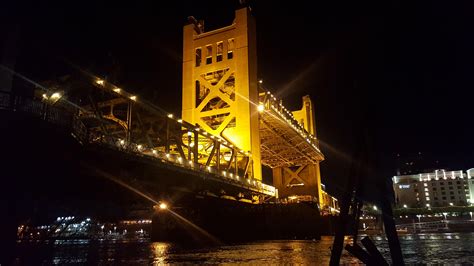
x=446 y=248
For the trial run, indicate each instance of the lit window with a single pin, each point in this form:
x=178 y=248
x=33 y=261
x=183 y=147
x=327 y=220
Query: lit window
x=208 y=54
x=427 y=194
x=427 y=199
x=230 y=48
x=220 y=48
x=426 y=189
x=425 y=184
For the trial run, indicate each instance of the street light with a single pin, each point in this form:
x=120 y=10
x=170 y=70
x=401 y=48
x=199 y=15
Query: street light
x=419 y=216
x=375 y=208
x=444 y=214
x=55 y=96
x=405 y=206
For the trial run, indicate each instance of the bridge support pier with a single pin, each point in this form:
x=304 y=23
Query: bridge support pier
x=212 y=220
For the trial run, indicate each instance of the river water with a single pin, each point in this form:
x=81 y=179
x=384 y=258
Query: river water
x=439 y=248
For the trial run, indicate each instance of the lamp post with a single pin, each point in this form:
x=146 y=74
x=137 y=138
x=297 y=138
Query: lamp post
x=419 y=216
x=444 y=214
x=470 y=213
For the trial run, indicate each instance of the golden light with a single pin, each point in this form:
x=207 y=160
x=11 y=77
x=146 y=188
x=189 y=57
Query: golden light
x=45 y=96
x=227 y=156
x=261 y=108
x=117 y=90
x=163 y=206
x=133 y=98
x=100 y=82
x=56 y=95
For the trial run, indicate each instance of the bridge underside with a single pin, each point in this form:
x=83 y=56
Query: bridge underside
x=282 y=145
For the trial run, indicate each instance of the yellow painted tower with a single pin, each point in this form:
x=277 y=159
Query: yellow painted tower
x=220 y=83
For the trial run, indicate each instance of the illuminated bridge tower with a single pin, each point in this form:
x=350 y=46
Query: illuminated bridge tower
x=301 y=179
x=220 y=83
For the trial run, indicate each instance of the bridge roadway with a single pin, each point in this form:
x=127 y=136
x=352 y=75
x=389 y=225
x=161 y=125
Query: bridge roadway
x=168 y=172
x=284 y=141
x=107 y=116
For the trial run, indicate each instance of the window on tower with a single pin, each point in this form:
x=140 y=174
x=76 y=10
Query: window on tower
x=208 y=54
x=230 y=48
x=220 y=50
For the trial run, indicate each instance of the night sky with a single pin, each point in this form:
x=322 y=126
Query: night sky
x=401 y=74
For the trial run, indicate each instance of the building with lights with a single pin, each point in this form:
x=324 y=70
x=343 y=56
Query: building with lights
x=440 y=188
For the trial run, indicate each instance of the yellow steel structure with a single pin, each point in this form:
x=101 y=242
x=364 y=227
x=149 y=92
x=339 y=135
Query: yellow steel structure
x=220 y=89
x=290 y=147
x=221 y=95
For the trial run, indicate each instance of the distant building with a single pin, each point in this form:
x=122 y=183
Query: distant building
x=440 y=188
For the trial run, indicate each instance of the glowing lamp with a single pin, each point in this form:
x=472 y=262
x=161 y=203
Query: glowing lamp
x=56 y=95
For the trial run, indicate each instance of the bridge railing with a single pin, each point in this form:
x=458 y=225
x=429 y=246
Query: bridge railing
x=270 y=102
x=32 y=106
x=177 y=160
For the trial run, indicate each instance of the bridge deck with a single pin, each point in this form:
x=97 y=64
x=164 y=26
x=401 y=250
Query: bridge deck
x=105 y=119
x=284 y=142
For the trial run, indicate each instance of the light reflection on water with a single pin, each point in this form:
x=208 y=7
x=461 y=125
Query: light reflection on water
x=439 y=248
x=423 y=248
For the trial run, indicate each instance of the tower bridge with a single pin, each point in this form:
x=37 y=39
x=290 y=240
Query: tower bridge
x=222 y=95
x=230 y=127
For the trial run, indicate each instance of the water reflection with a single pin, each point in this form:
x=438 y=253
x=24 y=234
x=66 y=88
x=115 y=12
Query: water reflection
x=160 y=252
x=424 y=248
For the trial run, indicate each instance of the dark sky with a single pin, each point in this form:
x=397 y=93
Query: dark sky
x=400 y=73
